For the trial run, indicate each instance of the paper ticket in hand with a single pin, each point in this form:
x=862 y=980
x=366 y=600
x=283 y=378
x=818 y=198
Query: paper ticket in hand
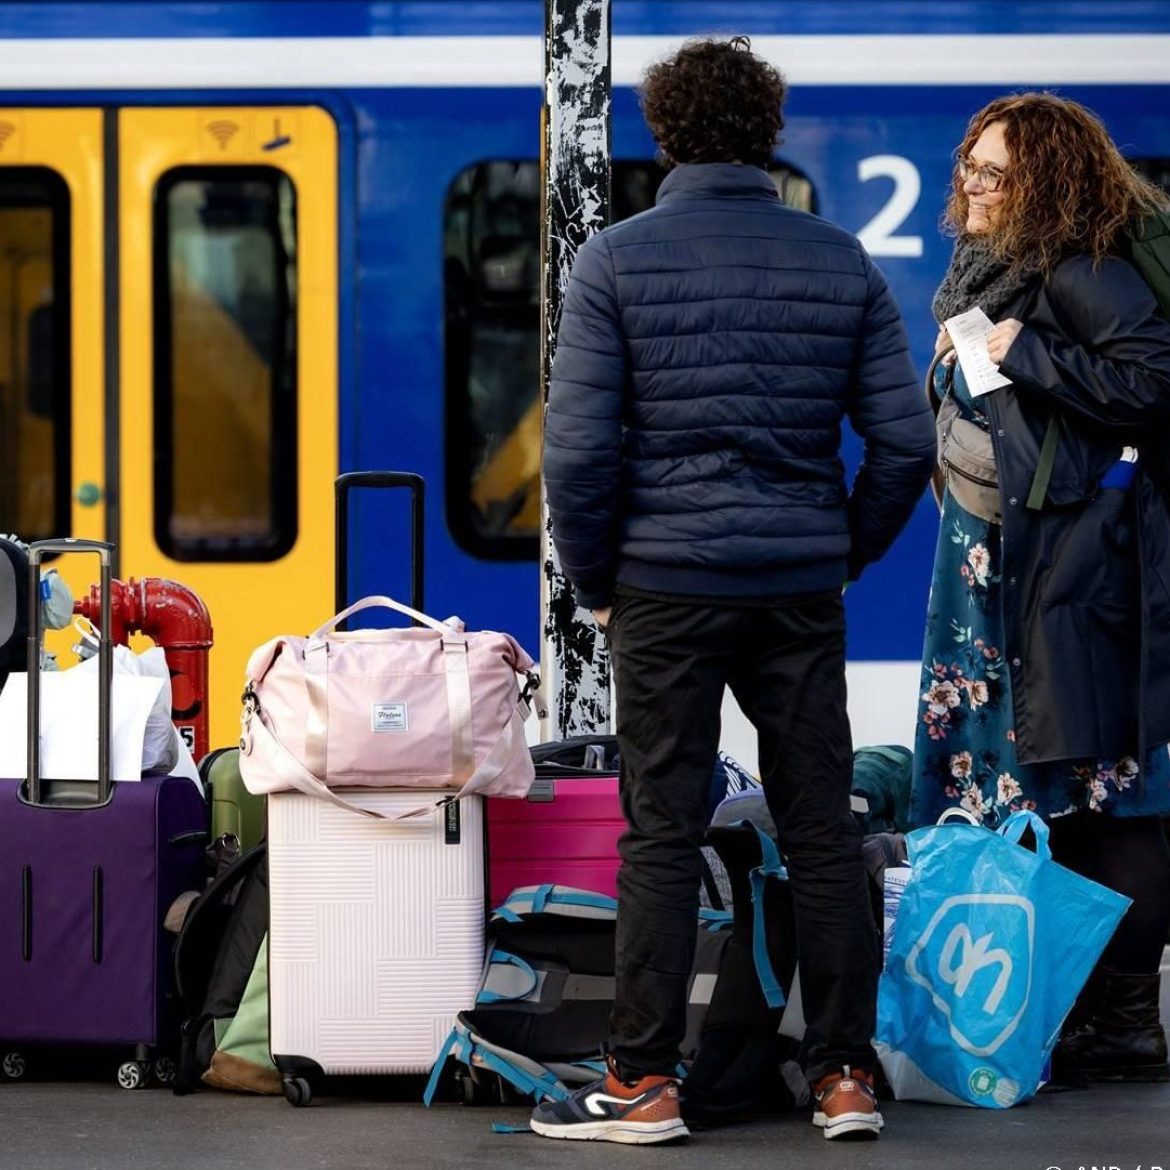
x=969 y=332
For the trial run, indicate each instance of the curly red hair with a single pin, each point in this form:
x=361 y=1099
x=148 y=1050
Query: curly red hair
x=1067 y=187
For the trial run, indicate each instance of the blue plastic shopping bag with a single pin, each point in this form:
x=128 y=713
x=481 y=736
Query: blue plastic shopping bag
x=992 y=945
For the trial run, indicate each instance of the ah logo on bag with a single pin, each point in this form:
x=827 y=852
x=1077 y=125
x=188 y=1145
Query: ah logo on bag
x=982 y=988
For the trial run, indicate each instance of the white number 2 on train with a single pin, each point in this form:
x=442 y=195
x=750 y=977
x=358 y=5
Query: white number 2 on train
x=878 y=236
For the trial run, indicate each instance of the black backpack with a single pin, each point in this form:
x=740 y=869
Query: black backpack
x=541 y=1015
x=220 y=965
x=749 y=1055
x=744 y=1065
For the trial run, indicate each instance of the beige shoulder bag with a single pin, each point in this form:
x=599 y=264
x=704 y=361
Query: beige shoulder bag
x=966 y=459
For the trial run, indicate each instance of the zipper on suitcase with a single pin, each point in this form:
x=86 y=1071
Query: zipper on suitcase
x=26 y=913
x=97 y=913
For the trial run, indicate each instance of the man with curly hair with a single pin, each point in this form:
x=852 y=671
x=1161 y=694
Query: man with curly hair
x=709 y=351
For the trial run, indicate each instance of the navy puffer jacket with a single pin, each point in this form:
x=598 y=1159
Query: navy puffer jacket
x=708 y=352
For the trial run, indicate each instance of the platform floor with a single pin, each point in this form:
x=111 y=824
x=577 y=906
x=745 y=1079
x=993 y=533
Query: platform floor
x=94 y=1125
x=98 y=1127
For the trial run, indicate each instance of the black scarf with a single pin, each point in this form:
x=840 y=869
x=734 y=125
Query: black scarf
x=977 y=277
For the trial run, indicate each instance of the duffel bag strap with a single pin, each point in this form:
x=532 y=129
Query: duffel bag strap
x=379 y=602
x=259 y=740
x=459 y=709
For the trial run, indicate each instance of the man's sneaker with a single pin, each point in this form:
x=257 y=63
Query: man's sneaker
x=638 y=1112
x=846 y=1105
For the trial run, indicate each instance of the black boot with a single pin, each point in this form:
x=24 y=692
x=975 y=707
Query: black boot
x=1114 y=1033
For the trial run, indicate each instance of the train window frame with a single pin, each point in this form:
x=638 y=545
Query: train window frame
x=285 y=389
x=59 y=202
x=464 y=457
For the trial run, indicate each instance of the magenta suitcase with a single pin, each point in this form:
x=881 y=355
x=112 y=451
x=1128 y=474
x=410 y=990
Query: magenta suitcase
x=566 y=835
x=566 y=831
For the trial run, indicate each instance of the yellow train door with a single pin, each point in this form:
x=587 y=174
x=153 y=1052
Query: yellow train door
x=227 y=396
x=52 y=321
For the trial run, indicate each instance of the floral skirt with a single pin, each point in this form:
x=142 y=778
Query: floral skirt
x=965 y=751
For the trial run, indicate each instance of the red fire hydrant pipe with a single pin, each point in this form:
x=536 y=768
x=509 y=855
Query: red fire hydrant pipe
x=175 y=619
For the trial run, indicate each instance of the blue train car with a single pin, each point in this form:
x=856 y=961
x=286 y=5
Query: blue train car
x=246 y=245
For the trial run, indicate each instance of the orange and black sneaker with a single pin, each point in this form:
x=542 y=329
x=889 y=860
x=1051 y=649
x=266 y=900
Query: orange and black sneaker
x=639 y=1112
x=846 y=1105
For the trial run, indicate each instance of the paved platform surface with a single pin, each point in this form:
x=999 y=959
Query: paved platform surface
x=94 y=1125
x=100 y=1127
x=97 y=1127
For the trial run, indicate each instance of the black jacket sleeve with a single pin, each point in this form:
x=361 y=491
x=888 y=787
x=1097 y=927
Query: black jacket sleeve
x=583 y=427
x=1113 y=368
x=889 y=411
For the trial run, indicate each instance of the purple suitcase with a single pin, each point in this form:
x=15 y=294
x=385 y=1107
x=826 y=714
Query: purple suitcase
x=87 y=873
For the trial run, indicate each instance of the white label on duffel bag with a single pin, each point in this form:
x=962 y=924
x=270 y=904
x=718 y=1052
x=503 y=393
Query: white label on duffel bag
x=388 y=717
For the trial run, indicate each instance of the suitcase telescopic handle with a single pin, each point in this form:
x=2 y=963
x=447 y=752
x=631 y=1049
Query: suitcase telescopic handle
x=37 y=551
x=343 y=485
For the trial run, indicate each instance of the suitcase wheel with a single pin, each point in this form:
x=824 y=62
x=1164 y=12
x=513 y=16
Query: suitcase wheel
x=470 y=1091
x=13 y=1066
x=164 y=1071
x=297 y=1091
x=133 y=1074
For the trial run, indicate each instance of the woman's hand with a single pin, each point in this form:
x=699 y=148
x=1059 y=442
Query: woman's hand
x=601 y=616
x=1000 y=339
x=943 y=342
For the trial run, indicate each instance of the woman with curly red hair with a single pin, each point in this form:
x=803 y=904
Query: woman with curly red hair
x=1046 y=673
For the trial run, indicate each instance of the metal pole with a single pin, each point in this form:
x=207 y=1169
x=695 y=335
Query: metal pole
x=575 y=168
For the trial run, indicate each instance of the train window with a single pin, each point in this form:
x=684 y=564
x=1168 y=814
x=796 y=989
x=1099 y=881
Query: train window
x=225 y=390
x=491 y=283
x=35 y=439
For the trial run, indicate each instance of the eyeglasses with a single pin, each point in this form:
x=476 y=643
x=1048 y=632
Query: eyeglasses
x=989 y=177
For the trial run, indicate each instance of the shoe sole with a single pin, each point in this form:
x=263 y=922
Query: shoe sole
x=628 y=1133
x=851 y=1125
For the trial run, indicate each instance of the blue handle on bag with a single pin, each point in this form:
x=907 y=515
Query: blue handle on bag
x=1014 y=827
x=770 y=866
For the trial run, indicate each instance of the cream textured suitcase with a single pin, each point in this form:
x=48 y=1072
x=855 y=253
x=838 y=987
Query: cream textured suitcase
x=376 y=932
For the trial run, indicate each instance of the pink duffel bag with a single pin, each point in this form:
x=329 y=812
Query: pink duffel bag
x=432 y=706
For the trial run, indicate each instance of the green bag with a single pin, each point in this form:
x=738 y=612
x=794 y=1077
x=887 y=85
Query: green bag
x=1149 y=250
x=235 y=811
x=882 y=776
x=240 y=1062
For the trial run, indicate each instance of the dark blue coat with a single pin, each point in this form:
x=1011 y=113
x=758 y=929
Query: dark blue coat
x=1086 y=577
x=709 y=351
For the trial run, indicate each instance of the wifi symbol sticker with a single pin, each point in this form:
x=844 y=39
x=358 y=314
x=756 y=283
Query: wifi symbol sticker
x=7 y=130
x=223 y=131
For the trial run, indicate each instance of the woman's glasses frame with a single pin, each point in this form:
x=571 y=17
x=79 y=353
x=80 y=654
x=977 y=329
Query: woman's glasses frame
x=990 y=177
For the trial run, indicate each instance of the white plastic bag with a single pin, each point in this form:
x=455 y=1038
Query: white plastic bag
x=159 y=747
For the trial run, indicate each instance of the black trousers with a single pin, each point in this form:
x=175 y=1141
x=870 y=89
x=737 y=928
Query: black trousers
x=786 y=667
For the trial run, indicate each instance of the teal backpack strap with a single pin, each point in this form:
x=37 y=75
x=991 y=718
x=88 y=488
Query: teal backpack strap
x=507 y=959
x=770 y=866
x=458 y=1045
x=462 y=1045
x=1044 y=465
x=538 y=1086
